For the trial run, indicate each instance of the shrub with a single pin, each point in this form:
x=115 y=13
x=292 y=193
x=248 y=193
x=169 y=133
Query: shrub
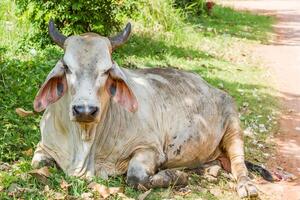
x=194 y=7
x=73 y=17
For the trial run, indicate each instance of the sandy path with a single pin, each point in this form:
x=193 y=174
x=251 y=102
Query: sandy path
x=283 y=58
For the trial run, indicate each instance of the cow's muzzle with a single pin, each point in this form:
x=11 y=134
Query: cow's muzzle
x=85 y=113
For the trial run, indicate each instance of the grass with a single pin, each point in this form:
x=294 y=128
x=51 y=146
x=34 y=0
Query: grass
x=217 y=47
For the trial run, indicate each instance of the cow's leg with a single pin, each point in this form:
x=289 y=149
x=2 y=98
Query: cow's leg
x=41 y=158
x=168 y=177
x=141 y=166
x=234 y=146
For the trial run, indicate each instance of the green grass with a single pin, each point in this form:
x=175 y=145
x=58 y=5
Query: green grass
x=217 y=47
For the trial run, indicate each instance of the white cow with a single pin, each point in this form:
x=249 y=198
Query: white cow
x=103 y=120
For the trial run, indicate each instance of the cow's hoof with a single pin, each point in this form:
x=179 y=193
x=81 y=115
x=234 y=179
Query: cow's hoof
x=169 y=177
x=40 y=160
x=245 y=188
x=137 y=176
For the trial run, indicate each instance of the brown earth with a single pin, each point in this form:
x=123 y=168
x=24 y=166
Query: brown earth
x=282 y=56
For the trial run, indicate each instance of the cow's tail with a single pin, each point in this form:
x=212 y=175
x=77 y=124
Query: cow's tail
x=262 y=171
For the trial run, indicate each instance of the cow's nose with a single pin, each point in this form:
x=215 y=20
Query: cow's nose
x=85 y=113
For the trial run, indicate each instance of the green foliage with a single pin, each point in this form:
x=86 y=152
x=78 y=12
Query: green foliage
x=74 y=17
x=9 y=23
x=194 y=7
x=19 y=81
x=160 y=15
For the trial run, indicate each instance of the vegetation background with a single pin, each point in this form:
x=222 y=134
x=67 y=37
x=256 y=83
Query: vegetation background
x=185 y=34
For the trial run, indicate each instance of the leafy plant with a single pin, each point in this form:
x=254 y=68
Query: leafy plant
x=73 y=17
x=195 y=7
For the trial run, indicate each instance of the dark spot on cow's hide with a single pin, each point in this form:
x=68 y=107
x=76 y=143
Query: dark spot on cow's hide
x=39 y=104
x=190 y=138
x=174 y=137
x=60 y=89
x=112 y=90
x=178 y=151
x=171 y=145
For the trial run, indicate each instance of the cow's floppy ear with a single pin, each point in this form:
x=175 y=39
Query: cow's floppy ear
x=118 y=88
x=52 y=89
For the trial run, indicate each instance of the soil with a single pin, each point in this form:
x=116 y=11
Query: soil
x=282 y=56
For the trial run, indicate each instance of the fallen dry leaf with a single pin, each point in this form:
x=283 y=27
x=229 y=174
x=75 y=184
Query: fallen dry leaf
x=87 y=196
x=23 y=113
x=103 y=190
x=17 y=191
x=58 y=196
x=183 y=191
x=115 y=190
x=64 y=185
x=216 y=192
x=28 y=152
x=41 y=174
x=46 y=189
x=144 y=195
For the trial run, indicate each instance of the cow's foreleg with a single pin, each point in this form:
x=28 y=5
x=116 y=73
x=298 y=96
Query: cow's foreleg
x=41 y=158
x=142 y=168
x=233 y=144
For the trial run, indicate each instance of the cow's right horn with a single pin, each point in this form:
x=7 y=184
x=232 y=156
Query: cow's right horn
x=55 y=35
x=121 y=38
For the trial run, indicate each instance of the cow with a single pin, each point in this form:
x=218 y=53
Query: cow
x=104 y=120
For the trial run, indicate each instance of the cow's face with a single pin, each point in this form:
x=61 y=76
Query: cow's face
x=86 y=61
x=89 y=76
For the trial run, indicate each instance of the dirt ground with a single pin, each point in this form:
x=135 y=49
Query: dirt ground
x=282 y=56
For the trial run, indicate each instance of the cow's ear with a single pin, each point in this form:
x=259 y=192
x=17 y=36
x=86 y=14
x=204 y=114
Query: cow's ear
x=118 y=88
x=52 y=89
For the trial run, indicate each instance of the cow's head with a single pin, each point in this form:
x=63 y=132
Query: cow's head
x=88 y=74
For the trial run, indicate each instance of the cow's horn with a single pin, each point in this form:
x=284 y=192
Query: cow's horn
x=55 y=35
x=121 y=38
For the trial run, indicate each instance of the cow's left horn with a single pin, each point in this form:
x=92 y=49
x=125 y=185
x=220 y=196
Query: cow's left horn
x=55 y=35
x=121 y=38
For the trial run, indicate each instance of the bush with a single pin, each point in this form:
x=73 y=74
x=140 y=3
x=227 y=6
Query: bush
x=160 y=15
x=194 y=7
x=73 y=17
